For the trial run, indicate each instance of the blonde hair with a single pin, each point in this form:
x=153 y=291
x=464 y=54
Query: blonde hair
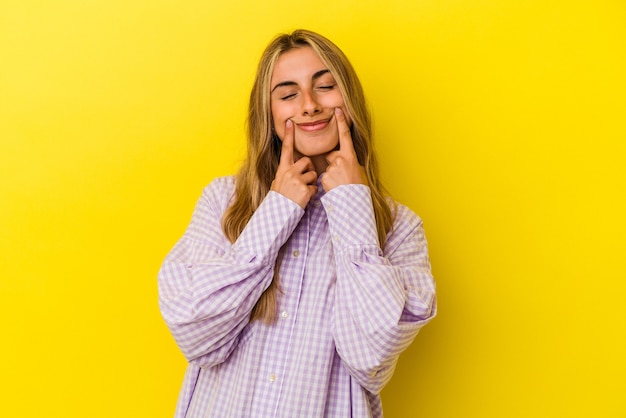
x=256 y=174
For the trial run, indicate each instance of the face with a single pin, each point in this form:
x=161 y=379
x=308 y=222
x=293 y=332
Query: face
x=304 y=90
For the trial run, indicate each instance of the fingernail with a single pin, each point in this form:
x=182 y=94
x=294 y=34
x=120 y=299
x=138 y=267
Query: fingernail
x=338 y=111
x=289 y=123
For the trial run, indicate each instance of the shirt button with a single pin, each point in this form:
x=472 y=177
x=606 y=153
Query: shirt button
x=272 y=377
x=284 y=314
x=296 y=253
x=316 y=203
x=330 y=208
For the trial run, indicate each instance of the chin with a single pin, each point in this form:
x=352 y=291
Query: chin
x=316 y=150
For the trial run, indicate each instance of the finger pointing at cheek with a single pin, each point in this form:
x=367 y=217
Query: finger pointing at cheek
x=345 y=138
x=343 y=165
x=286 y=152
x=294 y=180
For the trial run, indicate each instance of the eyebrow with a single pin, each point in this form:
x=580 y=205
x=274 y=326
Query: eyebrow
x=293 y=83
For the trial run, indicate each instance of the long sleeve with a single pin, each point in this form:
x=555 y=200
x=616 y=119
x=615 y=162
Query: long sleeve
x=208 y=286
x=382 y=298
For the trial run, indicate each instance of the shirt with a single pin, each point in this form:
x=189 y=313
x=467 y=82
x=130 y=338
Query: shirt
x=347 y=308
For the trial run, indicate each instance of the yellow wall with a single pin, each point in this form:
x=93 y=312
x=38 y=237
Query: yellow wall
x=502 y=123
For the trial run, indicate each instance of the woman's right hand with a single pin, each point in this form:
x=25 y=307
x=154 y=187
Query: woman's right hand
x=296 y=180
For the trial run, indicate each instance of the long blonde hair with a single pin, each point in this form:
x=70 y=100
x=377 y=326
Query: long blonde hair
x=256 y=174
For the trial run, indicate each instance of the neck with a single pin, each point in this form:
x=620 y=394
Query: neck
x=320 y=163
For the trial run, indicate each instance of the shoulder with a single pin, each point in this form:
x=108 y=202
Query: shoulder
x=221 y=185
x=406 y=224
x=219 y=192
x=403 y=216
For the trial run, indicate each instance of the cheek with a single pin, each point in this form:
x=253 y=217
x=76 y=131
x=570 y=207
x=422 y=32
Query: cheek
x=281 y=111
x=278 y=121
x=336 y=99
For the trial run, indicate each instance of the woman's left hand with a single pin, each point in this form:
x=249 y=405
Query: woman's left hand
x=343 y=164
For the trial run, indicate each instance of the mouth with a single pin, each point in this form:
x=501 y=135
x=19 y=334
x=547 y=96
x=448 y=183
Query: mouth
x=314 y=126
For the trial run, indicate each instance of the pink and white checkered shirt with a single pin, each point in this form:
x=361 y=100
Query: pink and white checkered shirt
x=346 y=312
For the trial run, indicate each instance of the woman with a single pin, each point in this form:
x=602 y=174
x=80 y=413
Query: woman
x=298 y=282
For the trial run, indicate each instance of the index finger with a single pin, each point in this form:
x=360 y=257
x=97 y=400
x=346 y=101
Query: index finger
x=286 y=151
x=345 y=138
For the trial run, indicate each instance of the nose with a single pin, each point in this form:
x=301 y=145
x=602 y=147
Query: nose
x=310 y=105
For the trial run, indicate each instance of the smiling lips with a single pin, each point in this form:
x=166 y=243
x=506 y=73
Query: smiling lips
x=314 y=126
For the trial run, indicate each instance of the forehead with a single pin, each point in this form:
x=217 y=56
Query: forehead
x=298 y=64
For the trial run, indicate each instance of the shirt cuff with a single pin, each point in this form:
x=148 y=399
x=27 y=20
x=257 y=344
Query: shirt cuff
x=351 y=216
x=269 y=227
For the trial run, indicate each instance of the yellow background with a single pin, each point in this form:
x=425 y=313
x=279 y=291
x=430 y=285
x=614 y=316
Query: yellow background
x=502 y=123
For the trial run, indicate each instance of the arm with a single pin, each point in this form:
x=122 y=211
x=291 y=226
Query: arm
x=208 y=287
x=382 y=298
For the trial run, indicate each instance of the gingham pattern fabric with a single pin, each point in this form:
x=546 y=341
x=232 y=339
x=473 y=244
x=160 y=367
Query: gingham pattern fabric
x=346 y=311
